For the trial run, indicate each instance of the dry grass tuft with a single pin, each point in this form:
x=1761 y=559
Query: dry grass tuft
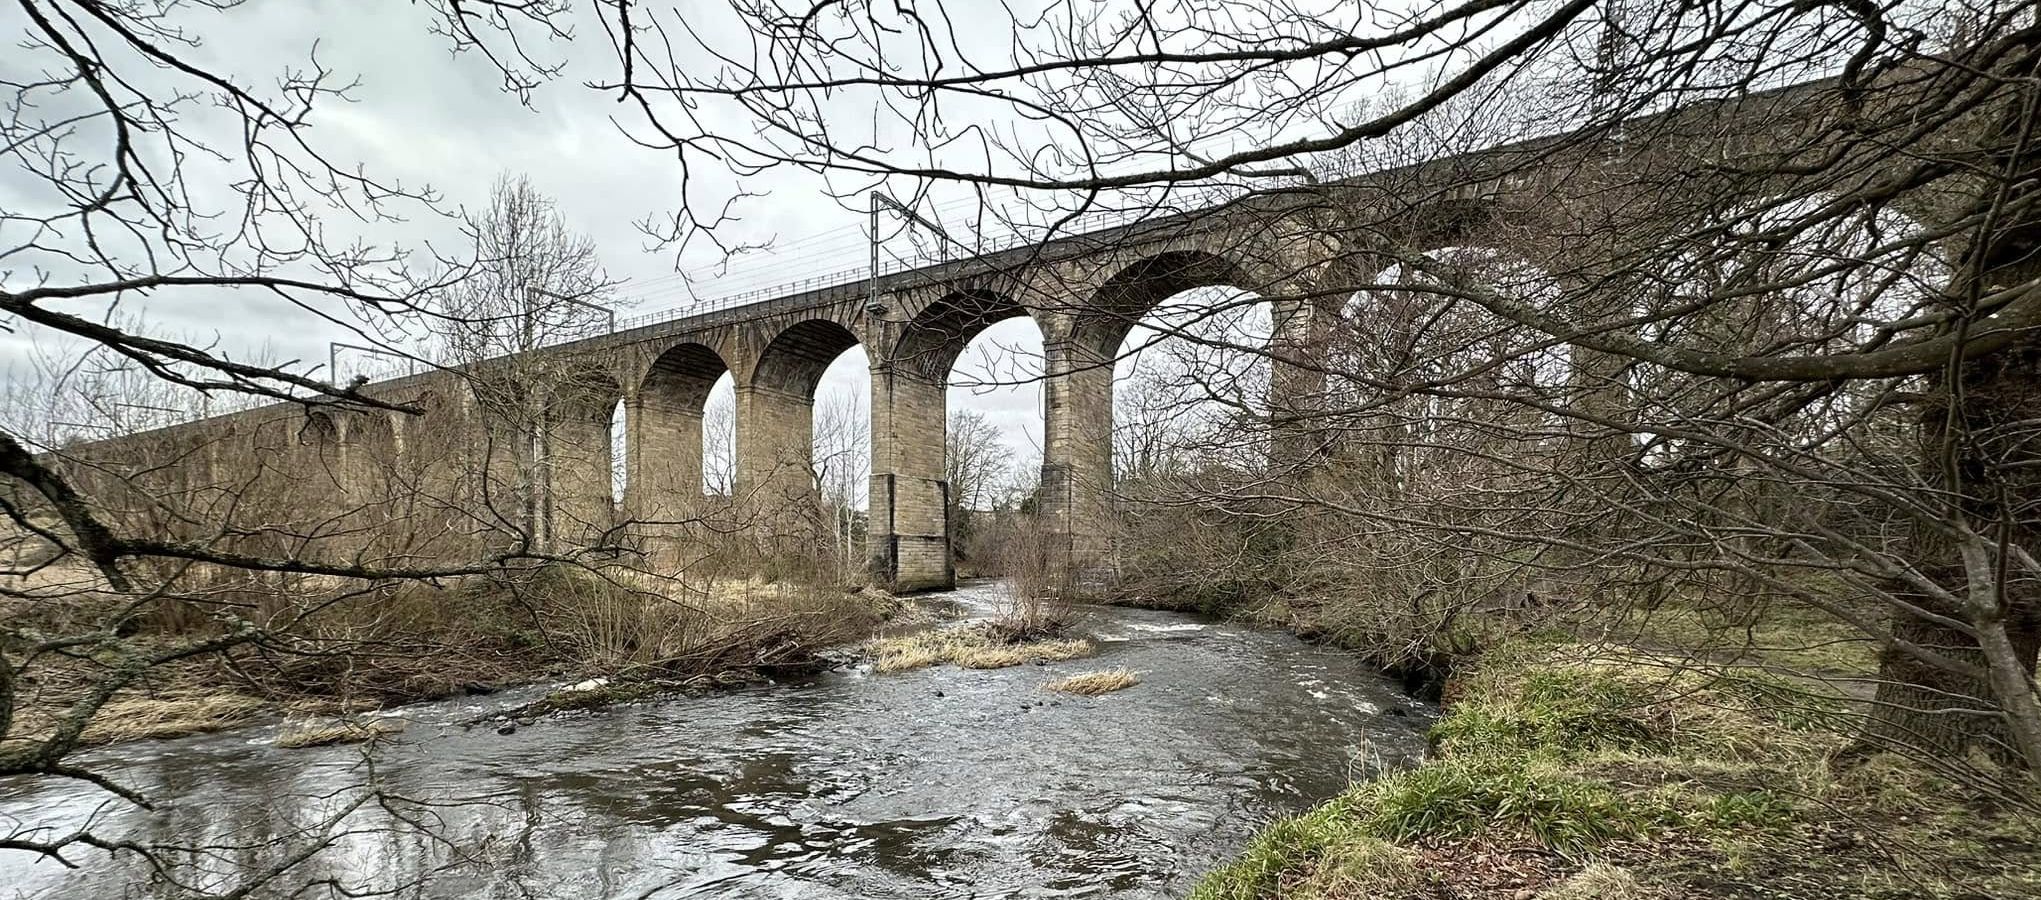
x=979 y=646
x=1023 y=653
x=141 y=718
x=1599 y=881
x=321 y=734
x=907 y=658
x=1092 y=684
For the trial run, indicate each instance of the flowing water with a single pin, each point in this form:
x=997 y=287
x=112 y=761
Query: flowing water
x=936 y=783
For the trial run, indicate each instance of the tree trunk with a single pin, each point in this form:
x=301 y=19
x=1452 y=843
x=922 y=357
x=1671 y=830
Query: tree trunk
x=1997 y=452
x=1987 y=455
x=1933 y=713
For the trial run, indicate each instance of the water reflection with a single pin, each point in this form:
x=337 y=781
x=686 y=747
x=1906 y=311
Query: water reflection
x=851 y=785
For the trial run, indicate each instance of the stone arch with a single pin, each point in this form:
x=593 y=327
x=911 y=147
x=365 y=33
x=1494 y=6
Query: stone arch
x=931 y=341
x=1792 y=271
x=776 y=466
x=584 y=395
x=1077 y=460
x=666 y=447
x=1138 y=288
x=792 y=362
x=1450 y=222
x=1407 y=318
x=910 y=528
x=318 y=430
x=681 y=376
x=1413 y=326
x=371 y=428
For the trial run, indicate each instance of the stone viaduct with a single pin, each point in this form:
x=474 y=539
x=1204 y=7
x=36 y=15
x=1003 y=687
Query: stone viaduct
x=1296 y=247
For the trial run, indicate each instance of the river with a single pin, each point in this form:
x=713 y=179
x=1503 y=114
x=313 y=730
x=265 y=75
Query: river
x=935 y=783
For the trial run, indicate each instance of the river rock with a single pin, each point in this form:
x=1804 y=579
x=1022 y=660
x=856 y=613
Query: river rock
x=507 y=728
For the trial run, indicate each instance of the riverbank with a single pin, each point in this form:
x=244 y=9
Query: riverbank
x=847 y=783
x=326 y=651
x=1567 y=769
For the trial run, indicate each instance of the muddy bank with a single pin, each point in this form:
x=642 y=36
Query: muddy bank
x=364 y=650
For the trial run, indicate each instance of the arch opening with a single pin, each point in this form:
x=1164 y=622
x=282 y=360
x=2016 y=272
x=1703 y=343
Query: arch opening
x=619 y=453
x=970 y=368
x=804 y=441
x=719 y=439
x=1166 y=299
x=1447 y=387
x=1181 y=346
x=318 y=430
x=1191 y=382
x=1790 y=275
x=1140 y=289
x=673 y=441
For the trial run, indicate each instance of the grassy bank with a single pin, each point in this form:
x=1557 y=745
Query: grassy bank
x=328 y=649
x=1565 y=770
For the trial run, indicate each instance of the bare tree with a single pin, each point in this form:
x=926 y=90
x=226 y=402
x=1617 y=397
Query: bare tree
x=533 y=282
x=719 y=449
x=1715 y=428
x=980 y=470
x=977 y=462
x=843 y=462
x=1687 y=178
x=143 y=166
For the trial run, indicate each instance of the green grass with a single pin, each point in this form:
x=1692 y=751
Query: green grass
x=1452 y=799
x=1327 y=852
x=1645 y=775
x=1782 y=633
x=1463 y=797
x=1560 y=710
x=1751 y=809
